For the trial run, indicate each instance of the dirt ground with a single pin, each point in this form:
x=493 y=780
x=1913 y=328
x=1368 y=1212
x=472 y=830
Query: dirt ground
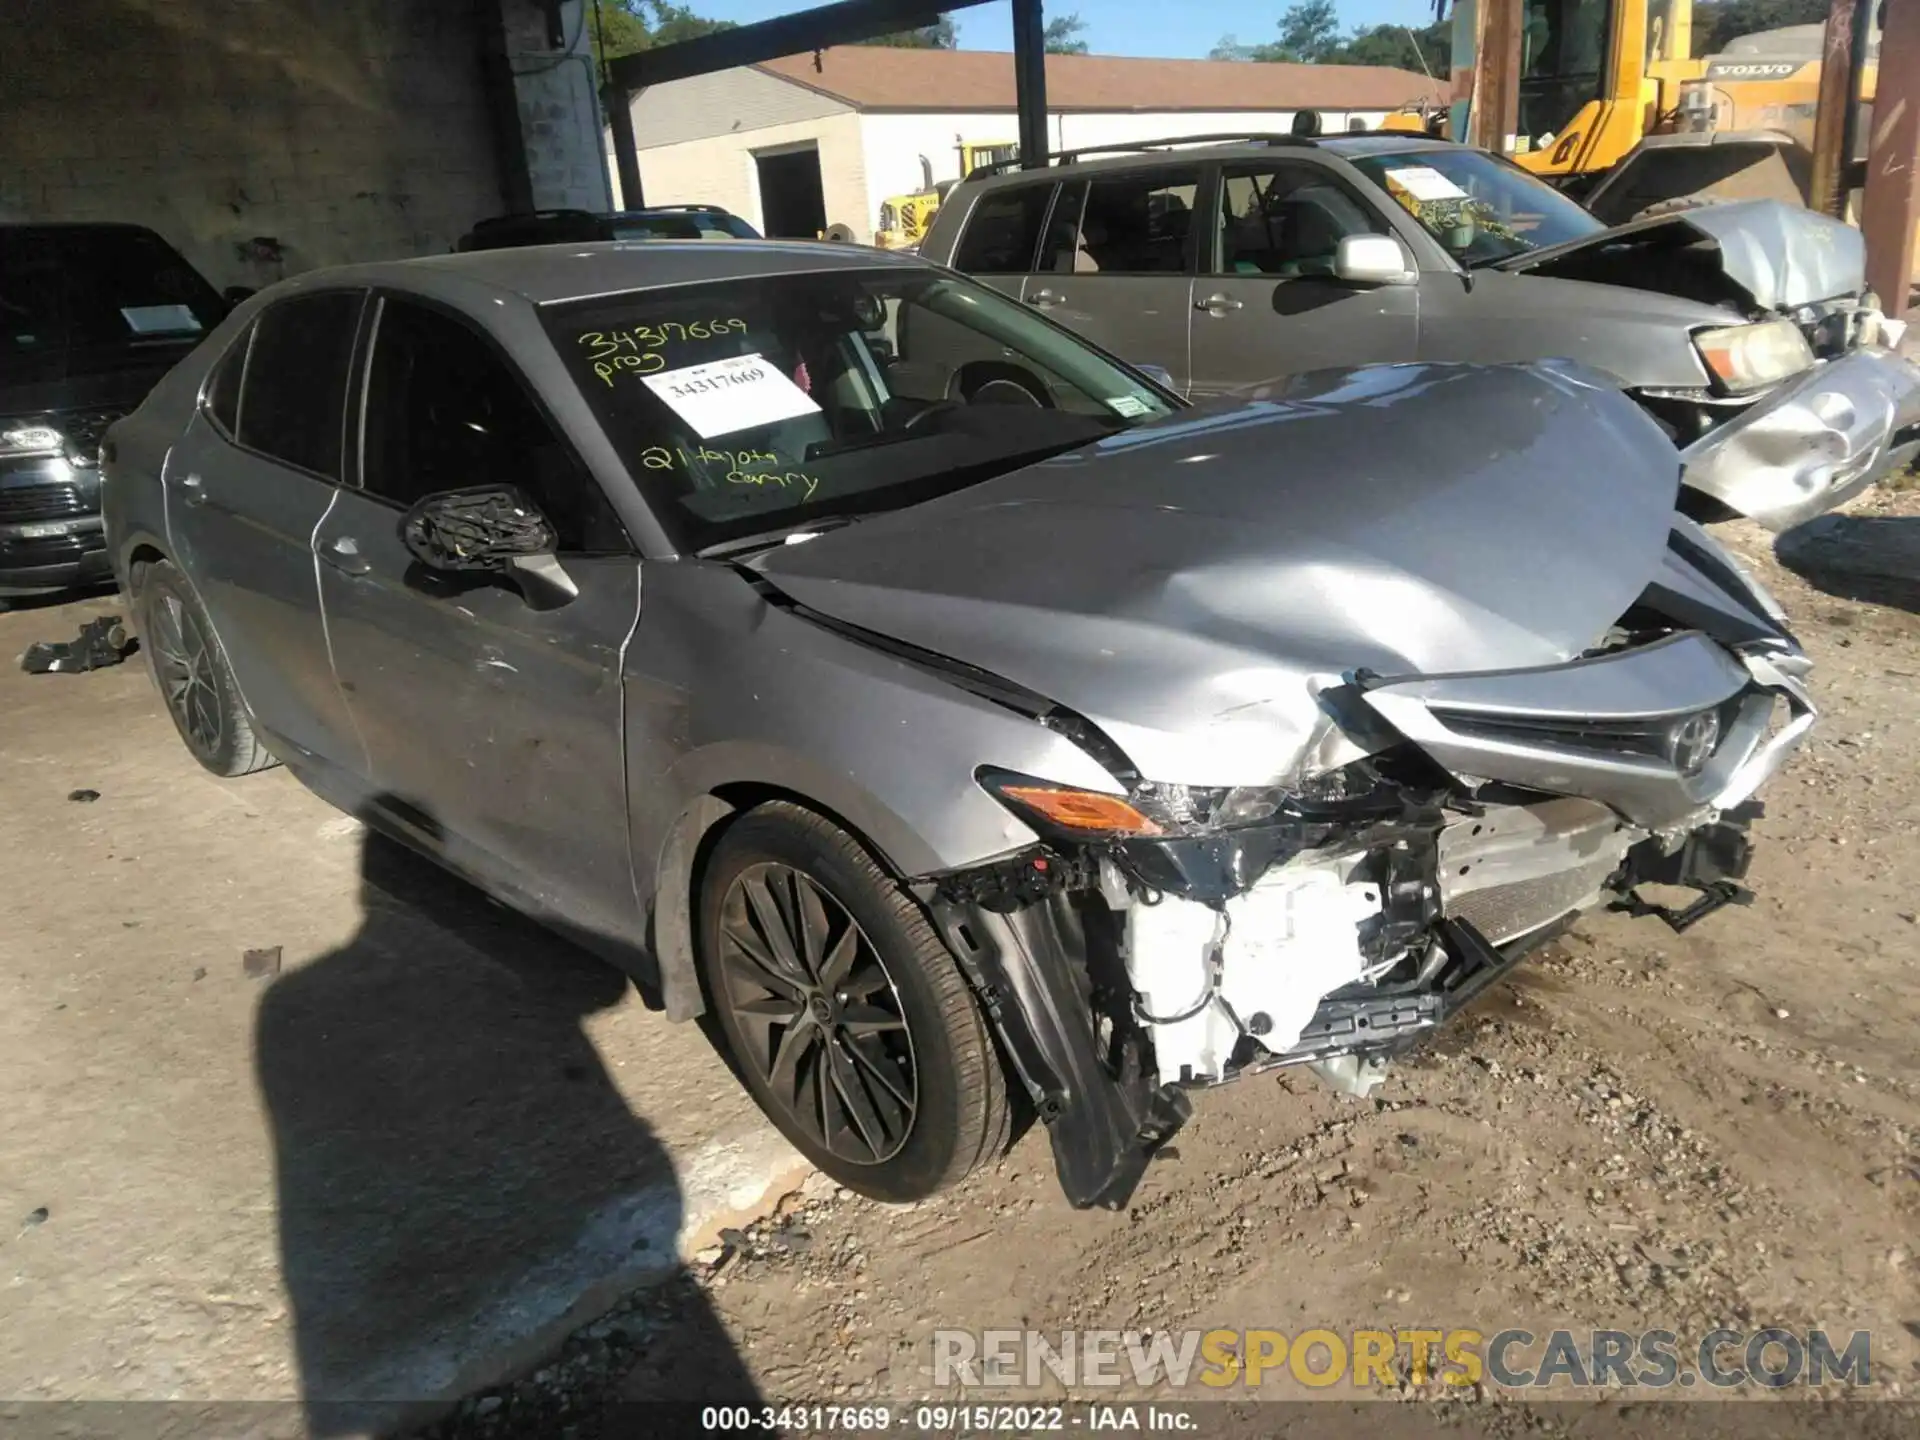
x=1641 y=1130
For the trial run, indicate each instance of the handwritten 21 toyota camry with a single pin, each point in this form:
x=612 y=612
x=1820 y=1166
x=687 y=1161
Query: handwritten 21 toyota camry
x=970 y=727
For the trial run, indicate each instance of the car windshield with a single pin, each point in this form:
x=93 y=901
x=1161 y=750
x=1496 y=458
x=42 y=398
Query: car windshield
x=749 y=407
x=67 y=289
x=1484 y=210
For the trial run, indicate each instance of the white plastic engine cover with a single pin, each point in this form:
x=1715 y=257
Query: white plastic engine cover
x=1288 y=942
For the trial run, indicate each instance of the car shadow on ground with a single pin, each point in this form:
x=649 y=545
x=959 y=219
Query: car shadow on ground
x=1875 y=558
x=456 y=1168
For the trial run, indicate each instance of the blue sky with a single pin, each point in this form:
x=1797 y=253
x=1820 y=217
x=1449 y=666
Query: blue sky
x=1124 y=27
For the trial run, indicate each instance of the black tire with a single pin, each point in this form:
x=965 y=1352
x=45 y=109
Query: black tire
x=957 y=1116
x=190 y=669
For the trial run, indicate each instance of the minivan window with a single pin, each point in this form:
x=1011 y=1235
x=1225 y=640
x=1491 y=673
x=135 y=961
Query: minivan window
x=1064 y=250
x=444 y=412
x=1288 y=220
x=293 y=404
x=1141 y=224
x=1481 y=209
x=1003 y=230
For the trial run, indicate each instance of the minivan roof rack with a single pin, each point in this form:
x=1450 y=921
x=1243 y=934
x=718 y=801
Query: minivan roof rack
x=1134 y=147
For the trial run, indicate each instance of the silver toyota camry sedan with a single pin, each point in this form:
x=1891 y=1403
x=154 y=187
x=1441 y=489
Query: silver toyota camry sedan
x=972 y=729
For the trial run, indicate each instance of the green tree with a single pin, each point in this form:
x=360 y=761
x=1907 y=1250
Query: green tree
x=1716 y=22
x=623 y=27
x=937 y=36
x=1429 y=49
x=1063 y=35
x=1309 y=31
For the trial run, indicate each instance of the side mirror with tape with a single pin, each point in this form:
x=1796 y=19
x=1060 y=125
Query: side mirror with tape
x=1373 y=260
x=489 y=530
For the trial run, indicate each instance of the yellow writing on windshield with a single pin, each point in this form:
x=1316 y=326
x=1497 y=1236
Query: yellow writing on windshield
x=742 y=466
x=643 y=348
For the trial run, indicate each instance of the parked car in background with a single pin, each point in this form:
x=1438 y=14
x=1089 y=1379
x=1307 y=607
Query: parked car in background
x=90 y=317
x=851 y=652
x=1745 y=330
x=569 y=227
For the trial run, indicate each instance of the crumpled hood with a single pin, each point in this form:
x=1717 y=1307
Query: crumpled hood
x=1187 y=585
x=1780 y=256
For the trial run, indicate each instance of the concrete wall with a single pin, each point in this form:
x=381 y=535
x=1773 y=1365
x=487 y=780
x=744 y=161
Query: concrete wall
x=343 y=129
x=720 y=170
x=557 y=96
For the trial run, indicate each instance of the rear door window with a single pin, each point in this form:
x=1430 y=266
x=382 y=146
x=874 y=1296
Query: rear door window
x=293 y=402
x=1140 y=223
x=1003 y=231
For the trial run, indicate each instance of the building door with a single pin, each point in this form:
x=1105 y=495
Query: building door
x=792 y=205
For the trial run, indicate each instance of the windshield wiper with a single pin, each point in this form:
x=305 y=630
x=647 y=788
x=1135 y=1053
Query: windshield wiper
x=794 y=534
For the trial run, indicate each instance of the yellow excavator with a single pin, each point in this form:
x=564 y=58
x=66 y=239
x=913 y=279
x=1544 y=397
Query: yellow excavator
x=1610 y=90
x=904 y=218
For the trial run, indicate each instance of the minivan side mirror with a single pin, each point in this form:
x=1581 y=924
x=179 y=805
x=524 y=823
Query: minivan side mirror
x=489 y=530
x=1373 y=260
x=1159 y=374
x=234 y=294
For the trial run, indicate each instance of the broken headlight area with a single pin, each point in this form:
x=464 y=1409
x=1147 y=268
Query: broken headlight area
x=1169 y=937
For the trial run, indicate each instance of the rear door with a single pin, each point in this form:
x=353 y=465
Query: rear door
x=245 y=488
x=1117 y=263
x=493 y=725
x=1266 y=304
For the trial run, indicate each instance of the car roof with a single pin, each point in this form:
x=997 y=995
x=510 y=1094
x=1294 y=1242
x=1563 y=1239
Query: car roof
x=549 y=274
x=1345 y=147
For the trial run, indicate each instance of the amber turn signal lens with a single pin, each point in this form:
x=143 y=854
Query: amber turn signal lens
x=1086 y=811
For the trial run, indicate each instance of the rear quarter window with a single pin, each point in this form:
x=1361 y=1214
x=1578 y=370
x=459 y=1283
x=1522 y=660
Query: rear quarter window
x=1003 y=232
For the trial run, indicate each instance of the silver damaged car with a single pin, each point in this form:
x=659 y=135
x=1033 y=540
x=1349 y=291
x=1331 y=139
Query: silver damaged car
x=971 y=729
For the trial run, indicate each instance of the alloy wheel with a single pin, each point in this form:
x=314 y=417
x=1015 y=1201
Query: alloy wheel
x=817 y=1013
x=184 y=661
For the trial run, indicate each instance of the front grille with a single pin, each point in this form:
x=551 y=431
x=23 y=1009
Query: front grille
x=22 y=503
x=1505 y=912
x=1644 y=737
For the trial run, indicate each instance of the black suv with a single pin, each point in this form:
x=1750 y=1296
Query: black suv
x=572 y=227
x=90 y=317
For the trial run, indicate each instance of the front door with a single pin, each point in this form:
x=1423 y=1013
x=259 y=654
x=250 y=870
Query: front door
x=491 y=723
x=1267 y=304
x=1117 y=264
x=245 y=486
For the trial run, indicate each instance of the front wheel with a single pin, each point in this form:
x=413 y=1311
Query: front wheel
x=848 y=1019
x=191 y=671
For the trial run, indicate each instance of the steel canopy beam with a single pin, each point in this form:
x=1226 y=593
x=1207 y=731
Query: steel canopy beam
x=844 y=23
x=1030 y=79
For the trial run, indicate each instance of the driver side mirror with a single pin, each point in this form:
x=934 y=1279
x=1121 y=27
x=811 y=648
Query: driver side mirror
x=489 y=530
x=1373 y=260
x=1159 y=374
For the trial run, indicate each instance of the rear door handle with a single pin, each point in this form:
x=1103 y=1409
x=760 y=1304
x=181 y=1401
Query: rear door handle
x=343 y=554
x=1045 y=299
x=1219 y=304
x=193 y=490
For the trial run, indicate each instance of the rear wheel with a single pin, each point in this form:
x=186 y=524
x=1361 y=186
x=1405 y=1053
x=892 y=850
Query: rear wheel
x=191 y=671
x=848 y=1019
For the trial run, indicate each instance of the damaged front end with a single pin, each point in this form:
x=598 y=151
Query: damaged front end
x=1166 y=936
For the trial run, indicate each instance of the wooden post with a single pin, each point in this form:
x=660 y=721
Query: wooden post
x=1891 y=211
x=1495 y=117
x=1827 y=188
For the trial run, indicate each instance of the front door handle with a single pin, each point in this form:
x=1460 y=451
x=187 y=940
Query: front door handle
x=343 y=554
x=1045 y=299
x=1219 y=304
x=193 y=490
